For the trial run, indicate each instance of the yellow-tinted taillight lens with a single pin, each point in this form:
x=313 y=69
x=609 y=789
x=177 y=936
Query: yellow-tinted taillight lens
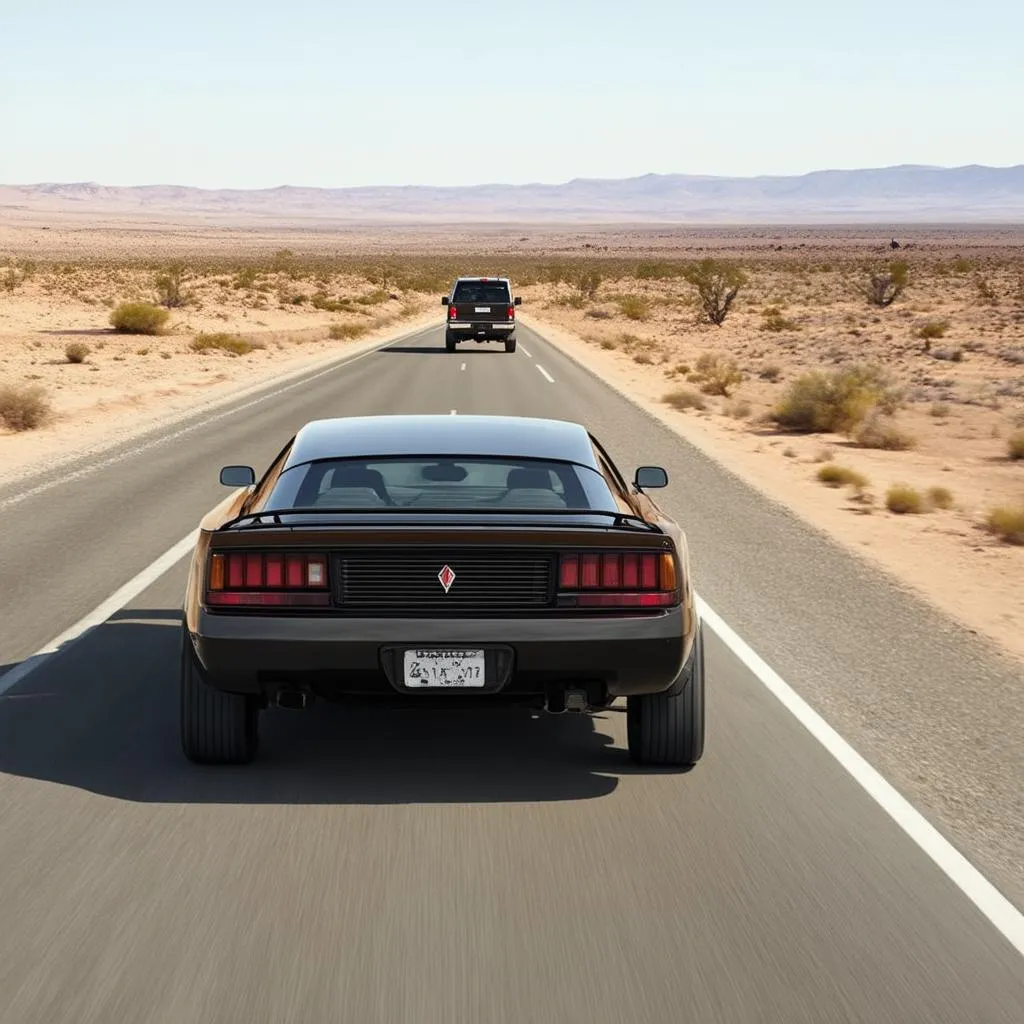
x=216 y=581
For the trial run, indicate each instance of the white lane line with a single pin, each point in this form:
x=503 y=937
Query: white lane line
x=164 y=438
x=101 y=612
x=525 y=351
x=998 y=910
x=545 y=373
x=964 y=875
x=463 y=366
x=452 y=413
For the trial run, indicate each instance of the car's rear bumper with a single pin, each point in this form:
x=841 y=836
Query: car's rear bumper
x=618 y=656
x=495 y=329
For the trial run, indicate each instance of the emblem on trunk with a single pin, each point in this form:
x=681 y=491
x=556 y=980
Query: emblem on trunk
x=447 y=577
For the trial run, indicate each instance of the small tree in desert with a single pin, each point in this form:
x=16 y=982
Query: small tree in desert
x=884 y=288
x=717 y=285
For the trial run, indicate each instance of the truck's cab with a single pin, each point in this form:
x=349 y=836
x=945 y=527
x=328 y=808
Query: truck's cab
x=481 y=309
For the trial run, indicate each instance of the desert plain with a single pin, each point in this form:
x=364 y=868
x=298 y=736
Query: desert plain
x=897 y=429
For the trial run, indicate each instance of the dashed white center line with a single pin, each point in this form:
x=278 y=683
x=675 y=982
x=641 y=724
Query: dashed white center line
x=547 y=376
x=525 y=351
x=463 y=366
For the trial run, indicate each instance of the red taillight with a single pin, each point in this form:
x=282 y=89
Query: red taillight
x=271 y=578
x=612 y=579
x=452 y=312
x=511 y=312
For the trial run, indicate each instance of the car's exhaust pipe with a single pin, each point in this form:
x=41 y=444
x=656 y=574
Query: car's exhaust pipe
x=561 y=701
x=293 y=700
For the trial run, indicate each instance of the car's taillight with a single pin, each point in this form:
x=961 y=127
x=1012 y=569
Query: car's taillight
x=618 y=579
x=267 y=578
x=511 y=312
x=452 y=312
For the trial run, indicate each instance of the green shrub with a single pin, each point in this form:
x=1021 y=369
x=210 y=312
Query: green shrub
x=717 y=283
x=884 y=288
x=76 y=351
x=1007 y=524
x=718 y=374
x=878 y=432
x=933 y=329
x=833 y=402
x=139 y=318
x=685 y=398
x=634 y=307
x=940 y=497
x=833 y=475
x=345 y=332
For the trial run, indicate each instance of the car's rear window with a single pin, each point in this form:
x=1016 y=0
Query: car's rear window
x=479 y=291
x=432 y=483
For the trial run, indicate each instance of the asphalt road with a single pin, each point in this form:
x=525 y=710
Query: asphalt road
x=423 y=867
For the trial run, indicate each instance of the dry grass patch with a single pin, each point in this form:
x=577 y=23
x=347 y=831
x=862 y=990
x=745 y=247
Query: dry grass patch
x=685 y=398
x=24 y=407
x=139 y=318
x=76 y=352
x=1007 y=523
x=345 y=332
x=635 y=307
x=820 y=402
x=933 y=329
x=717 y=374
x=940 y=497
x=904 y=499
x=833 y=475
x=882 y=433
x=221 y=342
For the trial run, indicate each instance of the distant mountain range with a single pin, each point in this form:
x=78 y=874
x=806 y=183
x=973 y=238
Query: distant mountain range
x=908 y=193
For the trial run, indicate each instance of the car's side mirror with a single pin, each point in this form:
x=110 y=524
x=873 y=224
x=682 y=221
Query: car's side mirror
x=518 y=300
x=444 y=300
x=650 y=476
x=237 y=476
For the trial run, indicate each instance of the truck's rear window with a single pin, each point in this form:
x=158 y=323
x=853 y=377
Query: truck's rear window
x=479 y=291
x=430 y=483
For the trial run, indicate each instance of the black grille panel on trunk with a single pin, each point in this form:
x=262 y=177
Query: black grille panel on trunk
x=411 y=580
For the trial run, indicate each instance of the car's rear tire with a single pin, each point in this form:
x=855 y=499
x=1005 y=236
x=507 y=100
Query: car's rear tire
x=668 y=728
x=216 y=727
x=449 y=342
x=510 y=344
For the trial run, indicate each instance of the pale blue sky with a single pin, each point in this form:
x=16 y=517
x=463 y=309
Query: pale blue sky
x=252 y=94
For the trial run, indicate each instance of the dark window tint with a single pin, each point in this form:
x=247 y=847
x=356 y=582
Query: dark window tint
x=489 y=292
x=440 y=483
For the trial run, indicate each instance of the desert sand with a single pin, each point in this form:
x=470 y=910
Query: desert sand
x=612 y=297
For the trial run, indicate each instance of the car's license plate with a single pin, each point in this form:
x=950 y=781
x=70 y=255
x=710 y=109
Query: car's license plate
x=452 y=667
x=483 y=309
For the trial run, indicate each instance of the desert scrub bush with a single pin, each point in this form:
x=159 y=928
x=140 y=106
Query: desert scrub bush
x=717 y=286
x=169 y=287
x=221 y=342
x=940 y=497
x=1015 y=445
x=904 y=499
x=821 y=402
x=76 y=351
x=1007 y=523
x=609 y=343
x=24 y=407
x=881 y=433
x=322 y=301
x=773 y=320
x=588 y=284
x=717 y=374
x=643 y=358
x=933 y=329
x=685 y=398
x=883 y=288
x=374 y=298
x=951 y=355
x=771 y=372
x=598 y=314
x=739 y=409
x=940 y=410
x=138 y=318
x=634 y=307
x=345 y=332
x=657 y=270
x=834 y=475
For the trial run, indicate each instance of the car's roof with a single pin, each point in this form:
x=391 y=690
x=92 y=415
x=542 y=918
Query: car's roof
x=504 y=280
x=429 y=435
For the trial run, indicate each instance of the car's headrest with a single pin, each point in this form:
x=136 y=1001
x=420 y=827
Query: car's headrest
x=349 y=497
x=533 y=479
x=356 y=476
x=529 y=497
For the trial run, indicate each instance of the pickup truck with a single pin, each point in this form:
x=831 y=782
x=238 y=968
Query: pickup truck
x=481 y=309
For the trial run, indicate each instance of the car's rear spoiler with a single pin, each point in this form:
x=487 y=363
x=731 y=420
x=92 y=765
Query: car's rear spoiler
x=255 y=520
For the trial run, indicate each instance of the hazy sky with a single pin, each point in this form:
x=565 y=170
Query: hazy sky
x=252 y=94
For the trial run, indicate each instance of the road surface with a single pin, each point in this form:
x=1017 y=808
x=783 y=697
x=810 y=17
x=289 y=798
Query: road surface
x=424 y=867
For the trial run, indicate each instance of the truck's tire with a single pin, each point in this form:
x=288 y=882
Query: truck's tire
x=668 y=728
x=449 y=341
x=510 y=344
x=216 y=727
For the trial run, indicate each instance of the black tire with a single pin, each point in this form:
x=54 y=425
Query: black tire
x=510 y=344
x=216 y=727
x=449 y=342
x=668 y=728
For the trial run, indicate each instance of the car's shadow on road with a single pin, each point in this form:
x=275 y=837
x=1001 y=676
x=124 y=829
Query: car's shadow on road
x=103 y=716
x=492 y=347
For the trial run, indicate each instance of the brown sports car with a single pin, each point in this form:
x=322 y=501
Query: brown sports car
x=463 y=559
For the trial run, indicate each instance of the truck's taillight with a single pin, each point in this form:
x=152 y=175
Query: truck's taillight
x=267 y=578
x=452 y=312
x=511 y=312
x=616 y=579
